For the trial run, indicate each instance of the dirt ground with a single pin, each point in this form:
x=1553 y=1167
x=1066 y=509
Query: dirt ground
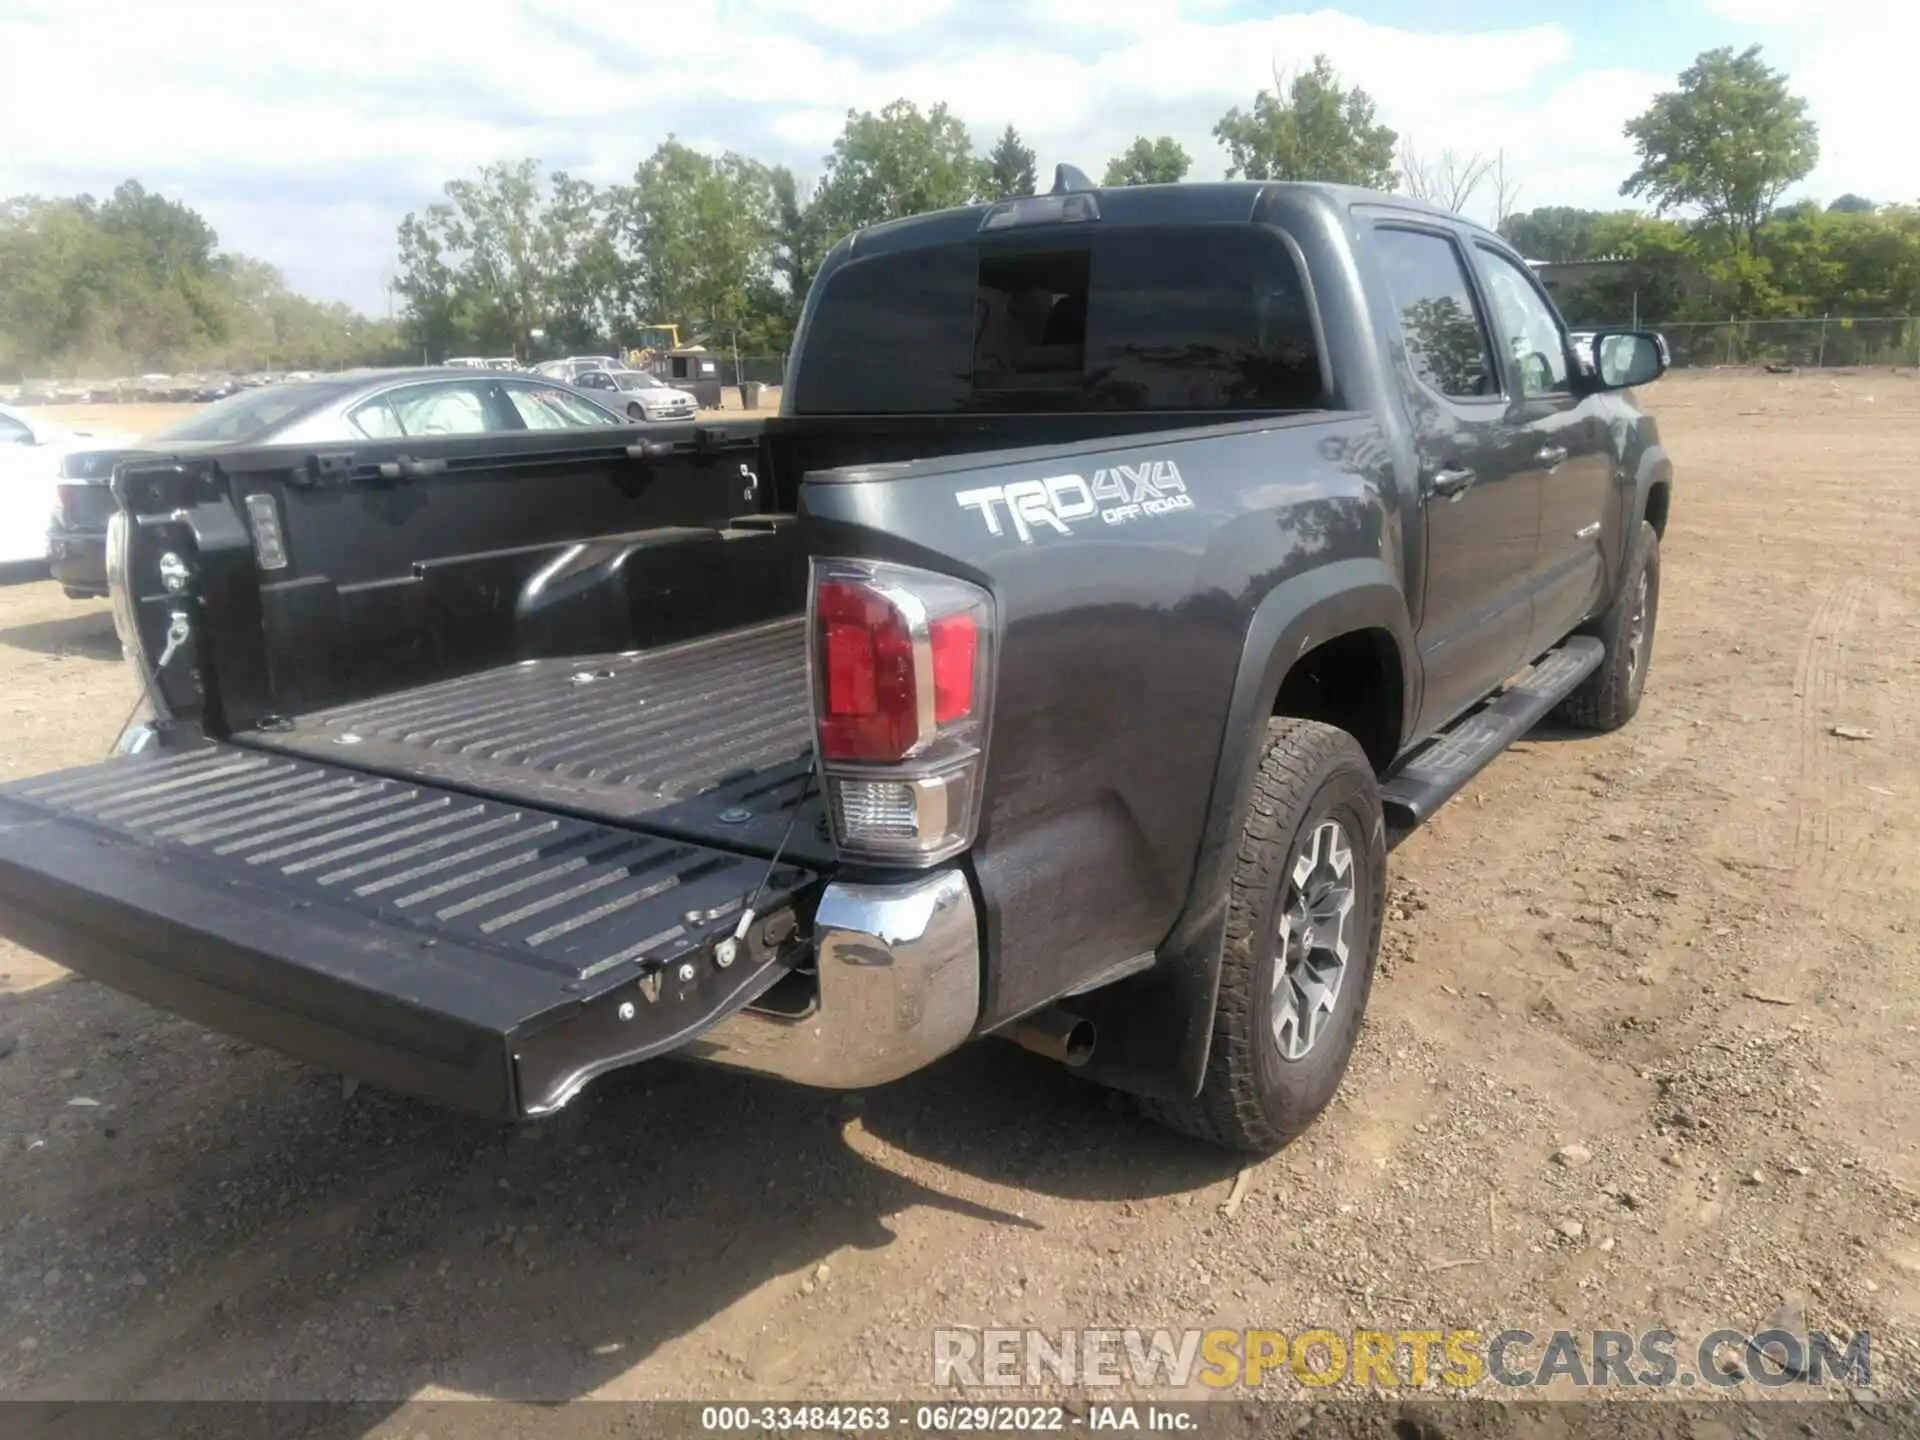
x=1690 y=949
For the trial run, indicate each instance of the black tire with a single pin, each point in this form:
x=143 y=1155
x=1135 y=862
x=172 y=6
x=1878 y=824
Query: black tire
x=1610 y=697
x=636 y=411
x=1253 y=1096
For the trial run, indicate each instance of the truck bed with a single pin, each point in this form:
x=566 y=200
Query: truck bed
x=708 y=741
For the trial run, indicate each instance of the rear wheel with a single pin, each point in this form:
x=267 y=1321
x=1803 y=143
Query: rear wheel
x=1610 y=697
x=1303 y=928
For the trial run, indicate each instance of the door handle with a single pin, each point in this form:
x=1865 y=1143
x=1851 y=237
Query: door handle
x=1452 y=481
x=1550 y=456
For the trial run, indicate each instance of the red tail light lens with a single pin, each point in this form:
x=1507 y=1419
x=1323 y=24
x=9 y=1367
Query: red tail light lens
x=902 y=673
x=869 y=702
x=956 y=645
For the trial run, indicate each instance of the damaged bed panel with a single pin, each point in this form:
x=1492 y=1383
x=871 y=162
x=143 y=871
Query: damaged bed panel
x=708 y=740
x=460 y=949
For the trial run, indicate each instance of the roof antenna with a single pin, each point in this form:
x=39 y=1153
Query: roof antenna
x=1067 y=178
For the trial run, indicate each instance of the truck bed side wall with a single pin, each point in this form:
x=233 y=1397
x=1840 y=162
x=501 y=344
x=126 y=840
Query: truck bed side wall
x=521 y=547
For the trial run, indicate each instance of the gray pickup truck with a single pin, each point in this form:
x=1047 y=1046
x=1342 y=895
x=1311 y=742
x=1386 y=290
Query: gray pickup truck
x=1125 y=570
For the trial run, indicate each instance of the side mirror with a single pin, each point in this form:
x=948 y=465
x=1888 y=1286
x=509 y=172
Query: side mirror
x=1623 y=359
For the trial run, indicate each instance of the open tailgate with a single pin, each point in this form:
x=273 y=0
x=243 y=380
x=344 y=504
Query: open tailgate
x=459 y=949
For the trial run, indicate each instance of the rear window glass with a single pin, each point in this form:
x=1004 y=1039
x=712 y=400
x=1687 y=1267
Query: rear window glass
x=248 y=415
x=1193 y=317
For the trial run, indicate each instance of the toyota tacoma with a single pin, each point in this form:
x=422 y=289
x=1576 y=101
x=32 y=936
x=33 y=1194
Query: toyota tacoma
x=1125 y=570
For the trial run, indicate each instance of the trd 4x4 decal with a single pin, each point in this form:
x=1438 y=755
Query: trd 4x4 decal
x=1118 y=496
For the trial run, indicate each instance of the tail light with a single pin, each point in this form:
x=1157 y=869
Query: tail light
x=902 y=671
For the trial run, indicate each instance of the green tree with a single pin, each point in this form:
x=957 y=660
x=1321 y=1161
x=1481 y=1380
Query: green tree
x=1149 y=162
x=498 y=259
x=1559 y=233
x=1846 y=263
x=1320 y=131
x=702 y=229
x=899 y=162
x=589 y=289
x=1727 y=143
x=799 y=244
x=1660 y=276
x=136 y=282
x=1008 y=169
x=1851 y=204
x=471 y=263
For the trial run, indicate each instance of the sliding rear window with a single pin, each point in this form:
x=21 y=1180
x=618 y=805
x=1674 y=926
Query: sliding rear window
x=1207 y=317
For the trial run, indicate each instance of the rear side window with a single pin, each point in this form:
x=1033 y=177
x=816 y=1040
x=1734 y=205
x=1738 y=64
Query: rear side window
x=1209 y=318
x=1445 y=335
x=1194 y=317
x=546 y=408
x=458 y=408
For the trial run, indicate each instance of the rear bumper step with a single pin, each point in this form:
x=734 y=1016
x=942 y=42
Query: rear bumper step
x=481 y=955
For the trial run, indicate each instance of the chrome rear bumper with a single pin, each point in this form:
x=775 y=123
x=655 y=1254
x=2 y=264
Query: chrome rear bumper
x=899 y=986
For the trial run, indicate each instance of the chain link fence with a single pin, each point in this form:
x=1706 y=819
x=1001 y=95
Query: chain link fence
x=1807 y=343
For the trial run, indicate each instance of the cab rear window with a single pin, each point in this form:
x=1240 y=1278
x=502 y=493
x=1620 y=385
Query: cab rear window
x=1209 y=317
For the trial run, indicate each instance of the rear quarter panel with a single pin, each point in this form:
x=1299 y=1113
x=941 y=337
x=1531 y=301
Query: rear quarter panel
x=1123 y=618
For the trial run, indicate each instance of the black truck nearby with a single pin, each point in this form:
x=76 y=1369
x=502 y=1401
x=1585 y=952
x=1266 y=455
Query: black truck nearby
x=1125 y=569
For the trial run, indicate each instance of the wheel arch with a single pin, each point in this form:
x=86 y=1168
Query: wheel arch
x=1156 y=1028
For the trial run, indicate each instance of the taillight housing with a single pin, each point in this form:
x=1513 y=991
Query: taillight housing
x=902 y=674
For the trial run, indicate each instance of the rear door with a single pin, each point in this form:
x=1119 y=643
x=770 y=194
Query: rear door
x=1479 y=494
x=1557 y=437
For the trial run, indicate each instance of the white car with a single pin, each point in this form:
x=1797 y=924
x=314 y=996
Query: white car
x=574 y=366
x=640 y=395
x=31 y=450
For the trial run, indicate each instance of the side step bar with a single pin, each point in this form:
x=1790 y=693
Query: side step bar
x=1440 y=771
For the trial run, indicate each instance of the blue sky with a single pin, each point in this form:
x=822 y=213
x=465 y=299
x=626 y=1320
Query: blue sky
x=305 y=129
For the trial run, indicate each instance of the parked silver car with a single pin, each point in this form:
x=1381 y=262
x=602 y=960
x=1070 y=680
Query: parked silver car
x=640 y=395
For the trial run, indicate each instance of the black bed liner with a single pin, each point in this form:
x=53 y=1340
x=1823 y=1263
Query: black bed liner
x=461 y=949
x=708 y=740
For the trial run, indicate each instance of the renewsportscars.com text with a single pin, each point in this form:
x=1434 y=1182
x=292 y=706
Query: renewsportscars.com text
x=1399 y=1359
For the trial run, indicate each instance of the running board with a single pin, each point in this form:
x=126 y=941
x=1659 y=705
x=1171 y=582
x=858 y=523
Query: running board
x=1440 y=771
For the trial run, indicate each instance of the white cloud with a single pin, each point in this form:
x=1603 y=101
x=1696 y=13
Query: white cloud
x=1798 y=14
x=861 y=17
x=304 y=131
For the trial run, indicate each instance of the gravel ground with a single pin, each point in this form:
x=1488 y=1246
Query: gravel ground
x=1681 y=959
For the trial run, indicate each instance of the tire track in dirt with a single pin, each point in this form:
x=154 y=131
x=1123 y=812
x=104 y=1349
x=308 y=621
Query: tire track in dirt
x=1887 y=855
x=1838 y=810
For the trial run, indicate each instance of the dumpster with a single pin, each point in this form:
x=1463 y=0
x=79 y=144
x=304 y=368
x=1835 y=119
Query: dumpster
x=694 y=370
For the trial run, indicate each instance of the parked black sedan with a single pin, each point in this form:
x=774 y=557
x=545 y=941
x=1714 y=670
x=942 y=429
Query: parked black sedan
x=217 y=388
x=334 y=409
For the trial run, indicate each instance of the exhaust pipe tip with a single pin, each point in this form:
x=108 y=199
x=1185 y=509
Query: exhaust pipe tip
x=1057 y=1034
x=1076 y=1046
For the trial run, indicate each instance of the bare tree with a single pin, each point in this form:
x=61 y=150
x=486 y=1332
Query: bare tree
x=1448 y=179
x=1506 y=190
